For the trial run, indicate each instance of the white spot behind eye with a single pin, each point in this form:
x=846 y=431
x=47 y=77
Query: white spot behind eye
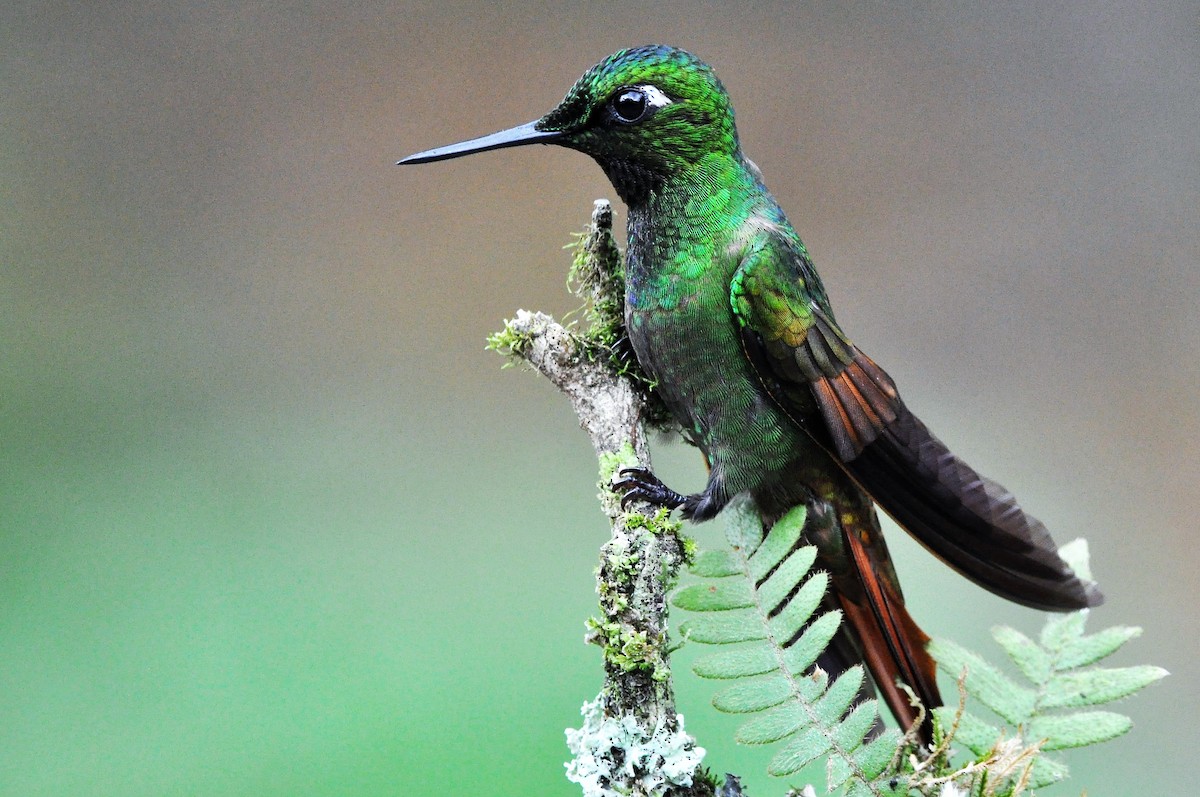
x=654 y=97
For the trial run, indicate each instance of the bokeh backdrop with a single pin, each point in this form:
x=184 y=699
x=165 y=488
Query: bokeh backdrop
x=272 y=522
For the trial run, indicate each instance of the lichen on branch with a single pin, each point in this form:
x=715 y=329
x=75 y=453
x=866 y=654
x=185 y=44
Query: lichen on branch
x=651 y=754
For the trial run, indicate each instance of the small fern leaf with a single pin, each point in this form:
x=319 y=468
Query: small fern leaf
x=1046 y=770
x=857 y=724
x=973 y=733
x=715 y=564
x=1078 y=729
x=737 y=663
x=874 y=757
x=1090 y=649
x=783 y=580
x=757 y=694
x=790 y=621
x=984 y=681
x=1075 y=553
x=1098 y=686
x=723 y=628
x=836 y=701
x=812 y=643
x=1034 y=663
x=743 y=529
x=1061 y=632
x=865 y=763
x=774 y=725
x=800 y=751
x=716 y=596
x=1061 y=668
x=770 y=611
x=780 y=542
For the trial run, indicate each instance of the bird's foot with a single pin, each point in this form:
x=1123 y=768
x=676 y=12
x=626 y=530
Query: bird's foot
x=639 y=484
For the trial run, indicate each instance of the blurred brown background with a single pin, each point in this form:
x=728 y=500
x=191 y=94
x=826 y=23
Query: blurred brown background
x=271 y=520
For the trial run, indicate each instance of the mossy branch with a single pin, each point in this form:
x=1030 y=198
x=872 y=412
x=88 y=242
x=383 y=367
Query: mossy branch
x=633 y=741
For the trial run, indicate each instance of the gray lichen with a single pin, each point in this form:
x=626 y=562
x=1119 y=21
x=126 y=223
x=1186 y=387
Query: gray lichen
x=636 y=708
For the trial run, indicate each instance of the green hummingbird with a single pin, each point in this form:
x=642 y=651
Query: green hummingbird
x=725 y=311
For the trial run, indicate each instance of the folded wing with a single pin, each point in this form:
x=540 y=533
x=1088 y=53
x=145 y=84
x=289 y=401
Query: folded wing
x=850 y=406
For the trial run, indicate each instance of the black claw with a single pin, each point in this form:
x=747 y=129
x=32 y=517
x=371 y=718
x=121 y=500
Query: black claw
x=623 y=350
x=639 y=484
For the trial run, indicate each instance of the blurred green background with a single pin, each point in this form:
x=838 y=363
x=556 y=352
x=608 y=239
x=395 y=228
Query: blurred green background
x=273 y=523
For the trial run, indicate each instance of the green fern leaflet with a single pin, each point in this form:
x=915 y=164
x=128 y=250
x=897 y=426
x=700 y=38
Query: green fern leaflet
x=1053 y=709
x=759 y=602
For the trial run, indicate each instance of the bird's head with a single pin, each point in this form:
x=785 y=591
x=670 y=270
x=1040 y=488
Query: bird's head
x=643 y=114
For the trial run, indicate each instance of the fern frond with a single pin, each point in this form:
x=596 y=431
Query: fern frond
x=1060 y=677
x=759 y=601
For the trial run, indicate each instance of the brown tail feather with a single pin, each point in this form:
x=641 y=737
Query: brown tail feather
x=969 y=521
x=888 y=640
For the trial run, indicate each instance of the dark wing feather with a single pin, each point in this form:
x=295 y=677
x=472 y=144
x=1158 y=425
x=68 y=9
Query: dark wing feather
x=968 y=520
x=856 y=398
x=812 y=371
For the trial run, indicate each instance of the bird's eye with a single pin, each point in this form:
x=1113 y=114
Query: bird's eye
x=629 y=105
x=634 y=104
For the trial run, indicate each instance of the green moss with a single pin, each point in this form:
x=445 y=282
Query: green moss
x=627 y=648
x=690 y=549
x=508 y=341
x=612 y=462
x=658 y=524
x=625 y=644
x=597 y=276
x=621 y=568
x=706 y=776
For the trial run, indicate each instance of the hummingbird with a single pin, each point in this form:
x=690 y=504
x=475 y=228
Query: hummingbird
x=725 y=311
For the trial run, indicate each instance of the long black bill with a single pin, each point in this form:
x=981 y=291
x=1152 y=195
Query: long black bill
x=513 y=137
